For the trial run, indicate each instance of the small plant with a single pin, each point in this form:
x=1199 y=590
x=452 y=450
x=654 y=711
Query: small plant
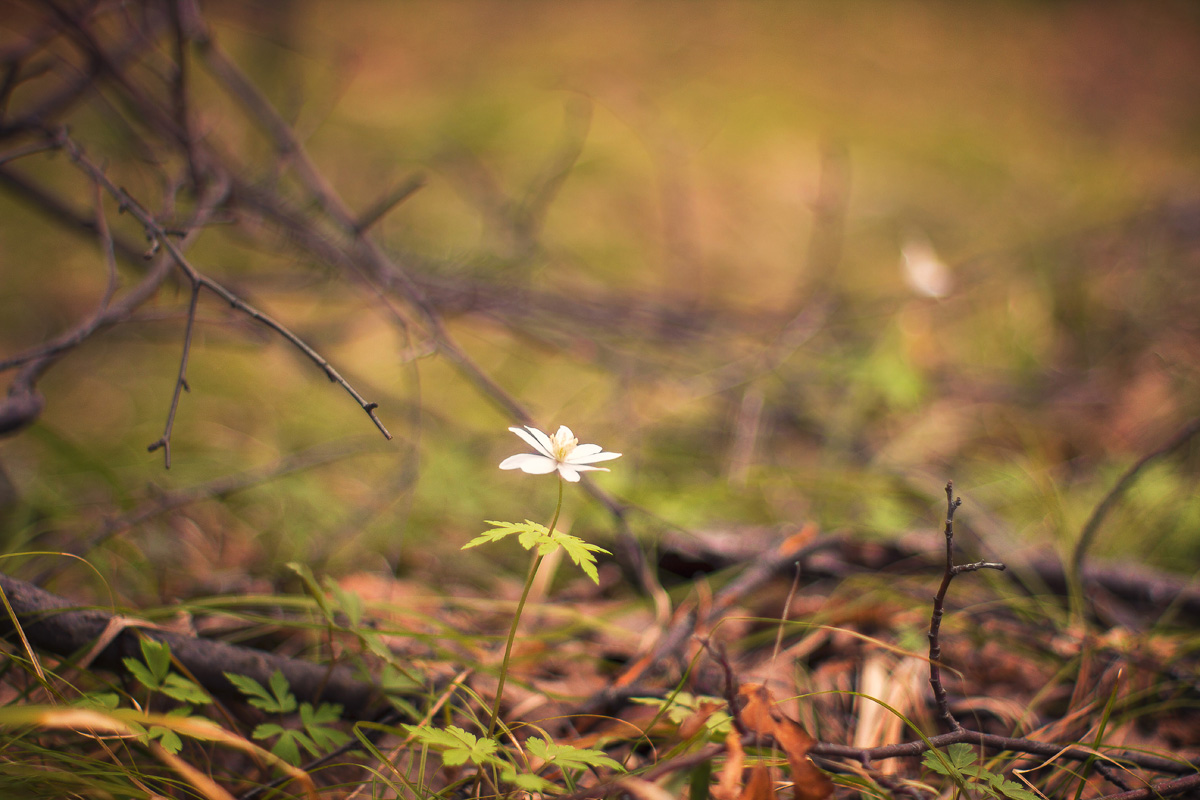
x=957 y=762
x=154 y=673
x=561 y=453
x=316 y=736
x=458 y=746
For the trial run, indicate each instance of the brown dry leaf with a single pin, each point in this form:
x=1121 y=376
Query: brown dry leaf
x=760 y=715
x=731 y=775
x=694 y=722
x=760 y=786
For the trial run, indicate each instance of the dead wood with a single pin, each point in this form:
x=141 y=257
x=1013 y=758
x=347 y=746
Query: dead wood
x=55 y=625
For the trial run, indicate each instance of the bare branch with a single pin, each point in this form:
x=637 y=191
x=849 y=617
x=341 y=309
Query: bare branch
x=164 y=240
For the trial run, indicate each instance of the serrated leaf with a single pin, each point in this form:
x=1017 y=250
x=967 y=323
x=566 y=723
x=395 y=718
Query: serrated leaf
x=157 y=656
x=581 y=553
x=284 y=699
x=951 y=761
x=500 y=530
x=166 y=737
x=457 y=746
x=531 y=534
x=266 y=730
x=182 y=689
x=535 y=535
x=288 y=747
x=140 y=671
x=289 y=744
x=279 y=700
x=569 y=757
x=1012 y=790
x=315 y=724
x=254 y=692
x=326 y=713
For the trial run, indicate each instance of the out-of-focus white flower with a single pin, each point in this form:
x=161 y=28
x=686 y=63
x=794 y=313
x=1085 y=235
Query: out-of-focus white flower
x=561 y=452
x=925 y=272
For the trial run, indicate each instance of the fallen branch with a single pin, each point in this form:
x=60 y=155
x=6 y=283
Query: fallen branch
x=55 y=625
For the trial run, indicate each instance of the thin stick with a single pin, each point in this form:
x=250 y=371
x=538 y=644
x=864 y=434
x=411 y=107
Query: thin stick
x=939 y=601
x=181 y=383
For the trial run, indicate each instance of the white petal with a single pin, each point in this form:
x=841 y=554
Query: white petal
x=587 y=449
x=564 y=433
x=535 y=439
x=568 y=473
x=531 y=463
x=544 y=443
x=590 y=458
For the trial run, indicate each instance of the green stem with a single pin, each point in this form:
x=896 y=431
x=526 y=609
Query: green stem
x=512 y=632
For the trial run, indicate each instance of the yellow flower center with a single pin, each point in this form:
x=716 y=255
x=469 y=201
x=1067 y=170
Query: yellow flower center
x=562 y=444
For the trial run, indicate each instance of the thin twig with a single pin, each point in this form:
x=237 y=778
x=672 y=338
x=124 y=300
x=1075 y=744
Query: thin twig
x=27 y=150
x=389 y=202
x=181 y=382
x=939 y=600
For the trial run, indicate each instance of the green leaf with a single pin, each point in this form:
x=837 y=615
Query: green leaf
x=251 y=688
x=569 y=757
x=290 y=741
x=1011 y=789
x=143 y=674
x=166 y=737
x=284 y=699
x=267 y=729
x=502 y=529
x=279 y=700
x=581 y=553
x=952 y=761
x=457 y=745
x=530 y=534
x=154 y=666
x=316 y=725
x=526 y=781
x=157 y=656
x=182 y=689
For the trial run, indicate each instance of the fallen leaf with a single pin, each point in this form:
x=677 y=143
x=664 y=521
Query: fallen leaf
x=731 y=774
x=760 y=786
x=760 y=715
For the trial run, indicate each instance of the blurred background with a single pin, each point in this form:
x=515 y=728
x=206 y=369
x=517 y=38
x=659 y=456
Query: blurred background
x=798 y=262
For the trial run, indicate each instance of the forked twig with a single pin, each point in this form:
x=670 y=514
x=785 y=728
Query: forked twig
x=939 y=601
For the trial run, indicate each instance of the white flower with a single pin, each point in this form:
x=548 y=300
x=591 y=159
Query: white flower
x=561 y=452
